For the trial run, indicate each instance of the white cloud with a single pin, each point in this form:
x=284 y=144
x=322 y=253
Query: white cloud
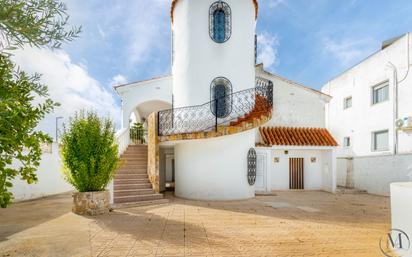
x=119 y=79
x=275 y=3
x=69 y=84
x=139 y=28
x=267 y=50
x=349 y=50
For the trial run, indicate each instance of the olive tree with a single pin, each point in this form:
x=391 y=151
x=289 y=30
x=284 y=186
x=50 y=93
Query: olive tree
x=24 y=100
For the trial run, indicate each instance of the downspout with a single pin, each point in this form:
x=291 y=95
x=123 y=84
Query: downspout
x=396 y=84
x=395 y=106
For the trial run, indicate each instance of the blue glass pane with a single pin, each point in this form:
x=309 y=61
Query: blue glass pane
x=219 y=30
x=221 y=101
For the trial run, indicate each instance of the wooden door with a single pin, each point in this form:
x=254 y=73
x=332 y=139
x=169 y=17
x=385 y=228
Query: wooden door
x=296 y=173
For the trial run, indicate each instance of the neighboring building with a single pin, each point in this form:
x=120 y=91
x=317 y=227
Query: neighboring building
x=370 y=115
x=220 y=122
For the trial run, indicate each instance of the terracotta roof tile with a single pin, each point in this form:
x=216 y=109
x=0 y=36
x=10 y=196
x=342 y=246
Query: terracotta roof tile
x=174 y=2
x=297 y=136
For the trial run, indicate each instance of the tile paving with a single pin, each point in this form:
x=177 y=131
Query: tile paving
x=307 y=223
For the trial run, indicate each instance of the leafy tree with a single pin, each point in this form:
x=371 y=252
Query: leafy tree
x=34 y=22
x=89 y=151
x=24 y=100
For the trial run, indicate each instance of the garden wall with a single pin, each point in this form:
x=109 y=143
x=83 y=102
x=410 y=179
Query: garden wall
x=50 y=181
x=375 y=173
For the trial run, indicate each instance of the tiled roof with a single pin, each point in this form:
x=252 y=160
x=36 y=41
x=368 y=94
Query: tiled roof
x=297 y=136
x=174 y=2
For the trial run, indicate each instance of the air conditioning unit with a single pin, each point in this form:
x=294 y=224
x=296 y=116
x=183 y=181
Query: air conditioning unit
x=404 y=124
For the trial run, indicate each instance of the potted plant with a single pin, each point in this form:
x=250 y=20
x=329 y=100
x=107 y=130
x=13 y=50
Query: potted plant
x=137 y=133
x=90 y=159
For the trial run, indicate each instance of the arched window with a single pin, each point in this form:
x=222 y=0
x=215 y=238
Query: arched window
x=221 y=98
x=220 y=22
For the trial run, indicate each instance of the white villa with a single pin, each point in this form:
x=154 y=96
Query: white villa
x=221 y=127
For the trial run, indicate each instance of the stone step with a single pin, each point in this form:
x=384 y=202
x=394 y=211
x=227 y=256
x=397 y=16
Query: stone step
x=133 y=166
x=345 y=190
x=136 y=149
x=137 y=198
x=133 y=192
x=132 y=186
x=139 y=204
x=131 y=176
x=128 y=166
x=135 y=152
x=134 y=162
x=137 y=146
x=138 y=154
x=131 y=181
x=133 y=157
x=131 y=171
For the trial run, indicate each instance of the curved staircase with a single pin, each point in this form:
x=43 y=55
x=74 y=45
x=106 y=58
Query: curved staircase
x=131 y=186
x=248 y=109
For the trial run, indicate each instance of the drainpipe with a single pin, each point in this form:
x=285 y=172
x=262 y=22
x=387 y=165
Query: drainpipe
x=396 y=84
x=395 y=106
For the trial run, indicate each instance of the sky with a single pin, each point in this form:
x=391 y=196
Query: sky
x=309 y=42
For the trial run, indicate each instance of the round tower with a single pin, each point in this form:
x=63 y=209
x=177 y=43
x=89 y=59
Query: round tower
x=213 y=44
x=213 y=56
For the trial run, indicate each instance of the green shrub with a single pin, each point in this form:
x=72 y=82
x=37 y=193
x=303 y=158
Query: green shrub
x=137 y=133
x=89 y=151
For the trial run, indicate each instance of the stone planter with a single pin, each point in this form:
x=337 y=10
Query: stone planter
x=91 y=203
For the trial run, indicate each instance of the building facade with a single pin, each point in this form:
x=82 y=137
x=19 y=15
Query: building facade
x=370 y=116
x=221 y=127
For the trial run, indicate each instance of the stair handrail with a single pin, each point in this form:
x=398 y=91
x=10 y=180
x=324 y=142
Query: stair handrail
x=123 y=140
x=201 y=118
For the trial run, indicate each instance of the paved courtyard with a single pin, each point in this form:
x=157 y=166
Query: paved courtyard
x=285 y=224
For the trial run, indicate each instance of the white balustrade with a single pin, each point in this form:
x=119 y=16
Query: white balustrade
x=123 y=140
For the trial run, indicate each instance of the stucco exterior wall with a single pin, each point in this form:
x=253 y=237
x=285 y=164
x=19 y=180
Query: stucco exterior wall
x=214 y=169
x=293 y=104
x=50 y=179
x=198 y=60
x=375 y=173
x=135 y=94
x=318 y=175
x=391 y=64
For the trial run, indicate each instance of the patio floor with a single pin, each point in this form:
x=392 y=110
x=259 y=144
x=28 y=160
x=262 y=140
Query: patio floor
x=307 y=223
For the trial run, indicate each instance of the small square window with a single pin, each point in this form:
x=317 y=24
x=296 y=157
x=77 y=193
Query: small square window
x=380 y=93
x=380 y=140
x=313 y=159
x=276 y=159
x=347 y=102
x=346 y=142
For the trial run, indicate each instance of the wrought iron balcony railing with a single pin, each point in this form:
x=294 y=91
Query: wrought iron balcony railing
x=202 y=118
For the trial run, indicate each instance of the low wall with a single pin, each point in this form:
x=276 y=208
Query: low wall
x=401 y=209
x=50 y=179
x=375 y=173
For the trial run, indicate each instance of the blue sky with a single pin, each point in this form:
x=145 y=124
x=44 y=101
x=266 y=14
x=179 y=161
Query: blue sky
x=125 y=41
x=313 y=40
